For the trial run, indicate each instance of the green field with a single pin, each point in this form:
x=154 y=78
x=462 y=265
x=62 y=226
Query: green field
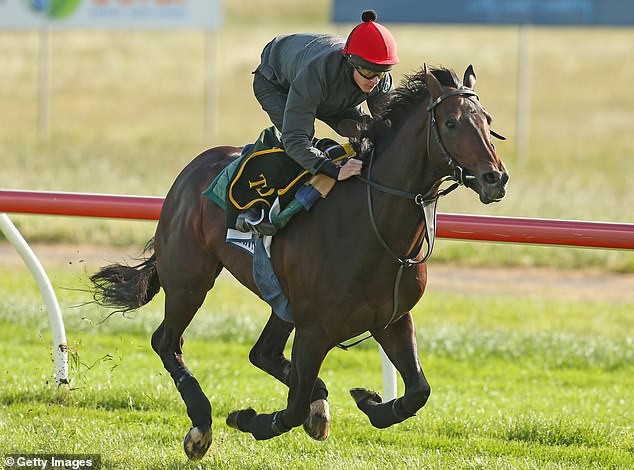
x=127 y=114
x=518 y=381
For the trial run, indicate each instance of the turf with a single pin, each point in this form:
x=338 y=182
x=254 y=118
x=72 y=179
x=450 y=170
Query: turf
x=517 y=382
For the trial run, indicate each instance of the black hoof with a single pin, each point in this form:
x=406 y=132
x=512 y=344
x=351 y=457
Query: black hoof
x=197 y=442
x=241 y=419
x=362 y=396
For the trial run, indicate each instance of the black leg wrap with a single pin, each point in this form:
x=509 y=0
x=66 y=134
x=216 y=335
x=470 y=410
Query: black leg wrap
x=319 y=391
x=198 y=406
x=266 y=426
x=243 y=419
x=383 y=415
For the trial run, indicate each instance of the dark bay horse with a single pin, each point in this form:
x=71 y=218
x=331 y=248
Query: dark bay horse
x=344 y=268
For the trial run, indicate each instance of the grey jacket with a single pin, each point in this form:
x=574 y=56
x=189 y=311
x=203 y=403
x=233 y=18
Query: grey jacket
x=319 y=83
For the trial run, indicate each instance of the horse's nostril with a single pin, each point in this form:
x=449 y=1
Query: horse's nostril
x=493 y=177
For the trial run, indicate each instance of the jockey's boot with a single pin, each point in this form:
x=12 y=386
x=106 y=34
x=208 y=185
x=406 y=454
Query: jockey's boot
x=254 y=220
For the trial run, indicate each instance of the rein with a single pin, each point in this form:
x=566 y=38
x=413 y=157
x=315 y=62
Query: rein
x=427 y=201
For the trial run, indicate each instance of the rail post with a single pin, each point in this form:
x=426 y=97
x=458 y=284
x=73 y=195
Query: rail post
x=60 y=350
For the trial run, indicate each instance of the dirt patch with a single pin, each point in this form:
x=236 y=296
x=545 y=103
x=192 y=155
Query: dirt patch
x=57 y=256
x=542 y=282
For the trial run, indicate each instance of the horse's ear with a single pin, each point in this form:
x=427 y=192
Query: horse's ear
x=433 y=85
x=469 y=79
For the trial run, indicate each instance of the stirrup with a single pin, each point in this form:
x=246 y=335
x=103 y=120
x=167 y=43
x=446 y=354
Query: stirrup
x=254 y=221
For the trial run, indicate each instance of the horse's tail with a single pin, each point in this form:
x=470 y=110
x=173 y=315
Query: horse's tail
x=124 y=287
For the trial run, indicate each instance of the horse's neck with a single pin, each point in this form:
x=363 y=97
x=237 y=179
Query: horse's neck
x=404 y=165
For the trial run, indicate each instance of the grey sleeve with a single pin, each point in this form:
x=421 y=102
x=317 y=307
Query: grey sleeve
x=356 y=114
x=376 y=102
x=298 y=129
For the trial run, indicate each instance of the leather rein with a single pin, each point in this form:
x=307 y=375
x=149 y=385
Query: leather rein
x=427 y=201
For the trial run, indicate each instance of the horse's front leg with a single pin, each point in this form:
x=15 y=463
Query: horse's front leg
x=309 y=350
x=268 y=355
x=399 y=343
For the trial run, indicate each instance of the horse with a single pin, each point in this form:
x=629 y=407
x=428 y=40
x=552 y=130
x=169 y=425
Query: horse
x=352 y=265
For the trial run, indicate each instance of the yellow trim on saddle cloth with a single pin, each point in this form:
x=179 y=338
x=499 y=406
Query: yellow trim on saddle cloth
x=237 y=177
x=349 y=152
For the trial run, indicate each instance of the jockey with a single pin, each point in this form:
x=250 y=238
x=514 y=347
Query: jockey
x=303 y=77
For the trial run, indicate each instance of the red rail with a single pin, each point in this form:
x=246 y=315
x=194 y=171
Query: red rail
x=457 y=226
x=81 y=204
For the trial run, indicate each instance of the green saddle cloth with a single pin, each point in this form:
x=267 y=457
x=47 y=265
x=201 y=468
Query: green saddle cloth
x=217 y=191
x=262 y=175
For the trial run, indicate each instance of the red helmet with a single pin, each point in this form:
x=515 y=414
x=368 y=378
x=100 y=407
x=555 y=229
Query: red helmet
x=371 y=45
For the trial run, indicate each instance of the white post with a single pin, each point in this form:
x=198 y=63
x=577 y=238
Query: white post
x=60 y=352
x=389 y=377
x=44 y=70
x=523 y=93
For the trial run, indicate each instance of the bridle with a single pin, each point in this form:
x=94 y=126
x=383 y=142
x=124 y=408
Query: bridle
x=458 y=172
x=427 y=201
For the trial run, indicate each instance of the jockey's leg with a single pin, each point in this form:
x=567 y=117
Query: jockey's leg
x=271 y=97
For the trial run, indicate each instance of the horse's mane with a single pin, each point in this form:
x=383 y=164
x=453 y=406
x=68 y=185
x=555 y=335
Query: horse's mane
x=397 y=106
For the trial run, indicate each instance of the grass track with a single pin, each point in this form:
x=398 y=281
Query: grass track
x=518 y=382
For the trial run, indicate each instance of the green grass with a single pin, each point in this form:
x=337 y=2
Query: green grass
x=127 y=114
x=517 y=382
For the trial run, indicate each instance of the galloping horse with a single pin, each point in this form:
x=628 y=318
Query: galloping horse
x=344 y=267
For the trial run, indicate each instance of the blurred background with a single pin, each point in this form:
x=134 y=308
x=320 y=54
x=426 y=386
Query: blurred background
x=127 y=113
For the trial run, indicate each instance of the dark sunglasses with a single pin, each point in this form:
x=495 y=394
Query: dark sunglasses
x=369 y=74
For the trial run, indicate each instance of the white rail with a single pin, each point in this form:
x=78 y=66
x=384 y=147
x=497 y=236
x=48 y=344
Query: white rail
x=389 y=377
x=60 y=352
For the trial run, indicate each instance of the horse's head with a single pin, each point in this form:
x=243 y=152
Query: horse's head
x=460 y=137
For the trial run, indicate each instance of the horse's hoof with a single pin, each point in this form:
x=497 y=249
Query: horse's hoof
x=317 y=425
x=197 y=442
x=362 y=396
x=241 y=419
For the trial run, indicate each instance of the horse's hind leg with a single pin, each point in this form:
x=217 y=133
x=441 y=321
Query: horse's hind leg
x=268 y=355
x=399 y=343
x=184 y=294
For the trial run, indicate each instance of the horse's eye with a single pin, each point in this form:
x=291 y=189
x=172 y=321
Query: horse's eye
x=451 y=123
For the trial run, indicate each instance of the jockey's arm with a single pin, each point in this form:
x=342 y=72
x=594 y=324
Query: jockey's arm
x=376 y=103
x=356 y=114
x=298 y=130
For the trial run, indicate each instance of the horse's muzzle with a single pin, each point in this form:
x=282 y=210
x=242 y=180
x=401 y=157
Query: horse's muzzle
x=490 y=186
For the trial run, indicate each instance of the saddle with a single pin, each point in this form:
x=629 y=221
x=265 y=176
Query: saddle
x=264 y=176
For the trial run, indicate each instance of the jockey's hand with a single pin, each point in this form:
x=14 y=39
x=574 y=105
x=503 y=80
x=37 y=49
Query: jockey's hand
x=351 y=168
